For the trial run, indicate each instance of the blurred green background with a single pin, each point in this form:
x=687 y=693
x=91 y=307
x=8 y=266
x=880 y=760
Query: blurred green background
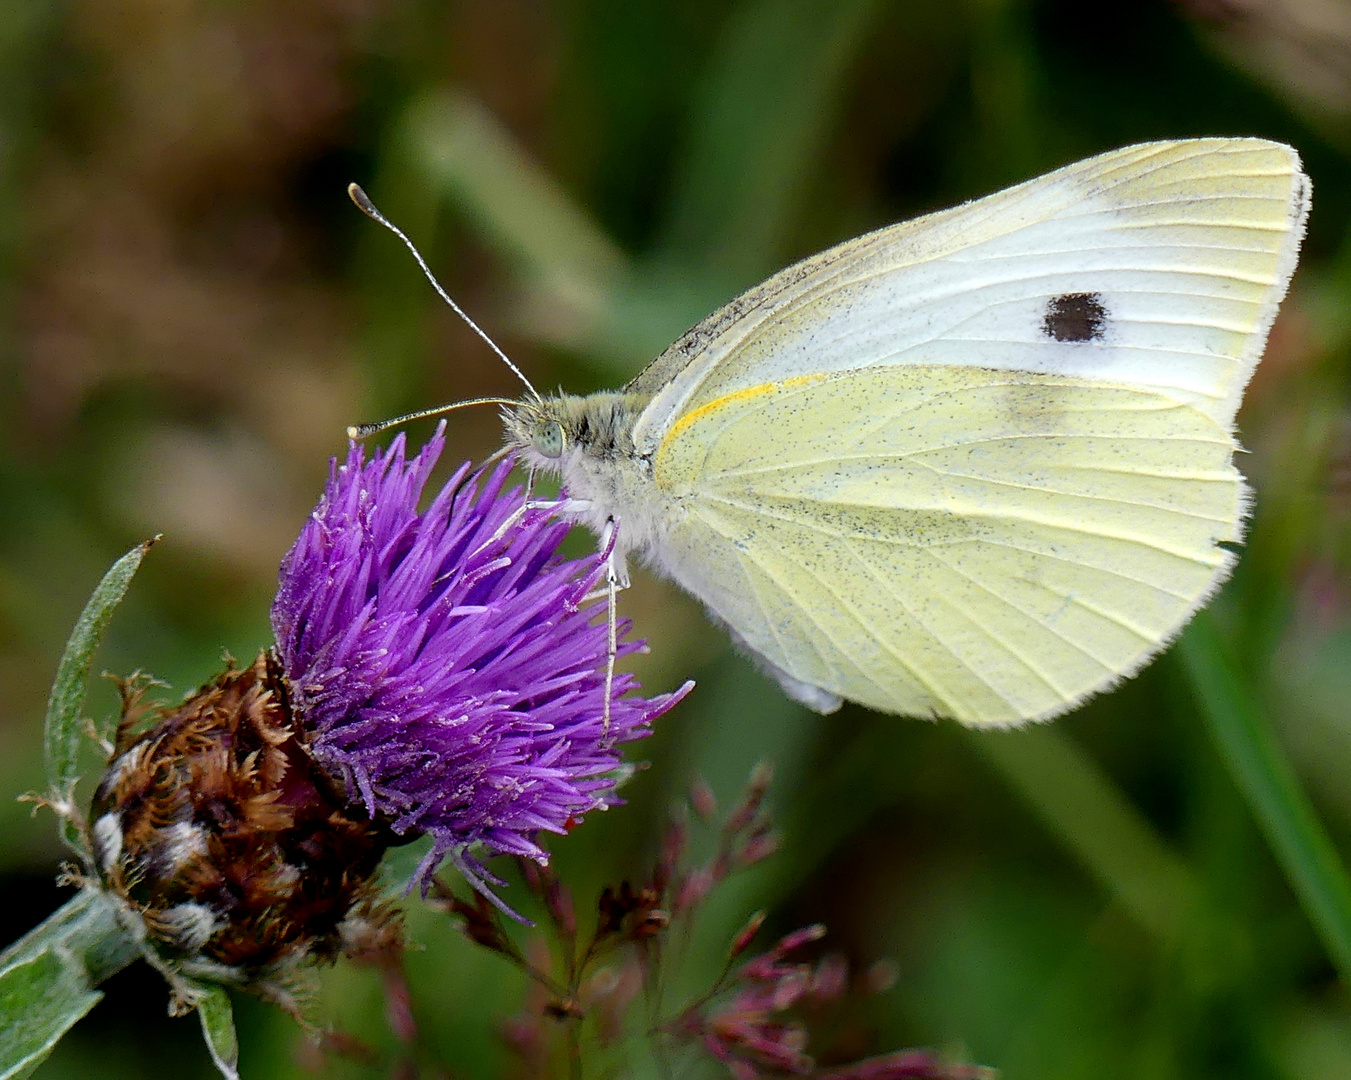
x=192 y=313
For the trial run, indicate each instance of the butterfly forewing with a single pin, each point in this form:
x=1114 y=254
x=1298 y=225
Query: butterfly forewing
x=979 y=465
x=1186 y=248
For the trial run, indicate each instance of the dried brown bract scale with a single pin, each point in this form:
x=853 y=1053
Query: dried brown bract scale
x=636 y=913
x=216 y=826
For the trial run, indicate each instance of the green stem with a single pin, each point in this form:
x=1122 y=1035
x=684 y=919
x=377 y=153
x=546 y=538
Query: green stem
x=1268 y=782
x=48 y=978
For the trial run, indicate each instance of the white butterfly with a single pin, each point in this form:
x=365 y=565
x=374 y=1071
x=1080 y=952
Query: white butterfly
x=976 y=465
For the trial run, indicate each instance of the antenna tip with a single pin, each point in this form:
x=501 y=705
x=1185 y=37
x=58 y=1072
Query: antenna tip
x=362 y=200
x=356 y=432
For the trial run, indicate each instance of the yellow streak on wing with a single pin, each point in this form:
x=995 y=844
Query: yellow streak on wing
x=737 y=397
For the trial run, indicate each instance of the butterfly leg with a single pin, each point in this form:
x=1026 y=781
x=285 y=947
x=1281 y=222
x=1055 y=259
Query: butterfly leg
x=571 y=507
x=612 y=578
x=616 y=566
x=604 y=591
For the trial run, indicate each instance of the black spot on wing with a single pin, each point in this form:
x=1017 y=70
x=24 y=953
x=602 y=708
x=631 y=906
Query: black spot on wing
x=1076 y=316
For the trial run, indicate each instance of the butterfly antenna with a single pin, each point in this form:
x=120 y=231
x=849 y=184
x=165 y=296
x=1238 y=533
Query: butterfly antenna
x=365 y=431
x=368 y=208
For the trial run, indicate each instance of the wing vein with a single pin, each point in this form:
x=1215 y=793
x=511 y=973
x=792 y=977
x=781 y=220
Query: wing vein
x=1076 y=562
x=1067 y=494
x=743 y=557
x=966 y=514
x=906 y=455
x=890 y=589
x=1028 y=615
x=921 y=678
x=833 y=459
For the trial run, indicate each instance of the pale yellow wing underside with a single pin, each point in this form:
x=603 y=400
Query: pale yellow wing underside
x=987 y=545
x=898 y=485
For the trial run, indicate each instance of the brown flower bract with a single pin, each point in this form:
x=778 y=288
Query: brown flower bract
x=216 y=825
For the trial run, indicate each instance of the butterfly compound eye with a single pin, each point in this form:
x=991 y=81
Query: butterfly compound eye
x=549 y=440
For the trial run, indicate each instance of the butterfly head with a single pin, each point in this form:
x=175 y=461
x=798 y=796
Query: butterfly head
x=540 y=432
x=587 y=441
x=554 y=432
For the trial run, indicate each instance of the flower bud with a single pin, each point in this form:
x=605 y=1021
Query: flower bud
x=217 y=827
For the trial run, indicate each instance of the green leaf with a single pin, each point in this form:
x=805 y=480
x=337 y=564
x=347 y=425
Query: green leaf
x=48 y=978
x=218 y=1028
x=1268 y=782
x=64 y=730
x=39 y=1000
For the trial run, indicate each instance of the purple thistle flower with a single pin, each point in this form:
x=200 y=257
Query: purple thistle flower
x=444 y=661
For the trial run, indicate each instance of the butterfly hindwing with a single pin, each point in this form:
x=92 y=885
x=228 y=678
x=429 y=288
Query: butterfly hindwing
x=992 y=546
